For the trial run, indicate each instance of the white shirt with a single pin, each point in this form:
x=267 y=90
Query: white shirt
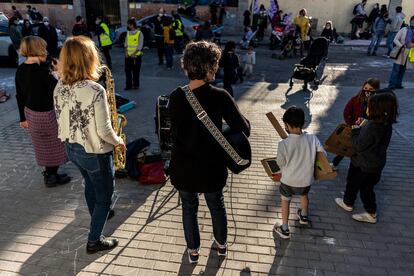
x=83 y=116
x=250 y=58
x=296 y=158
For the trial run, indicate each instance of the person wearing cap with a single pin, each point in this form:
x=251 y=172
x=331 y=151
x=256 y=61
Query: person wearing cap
x=49 y=34
x=134 y=43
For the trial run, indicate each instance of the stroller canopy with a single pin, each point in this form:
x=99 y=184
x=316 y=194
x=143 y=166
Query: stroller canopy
x=318 y=51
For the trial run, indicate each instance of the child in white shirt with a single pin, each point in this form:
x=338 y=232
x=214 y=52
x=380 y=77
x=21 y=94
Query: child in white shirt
x=249 y=61
x=296 y=158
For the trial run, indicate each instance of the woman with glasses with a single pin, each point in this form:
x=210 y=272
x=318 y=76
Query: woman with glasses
x=355 y=109
x=34 y=92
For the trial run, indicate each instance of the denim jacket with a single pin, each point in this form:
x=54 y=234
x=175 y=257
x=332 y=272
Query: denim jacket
x=380 y=25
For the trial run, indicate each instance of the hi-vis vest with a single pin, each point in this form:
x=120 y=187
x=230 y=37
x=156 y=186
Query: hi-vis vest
x=178 y=26
x=132 y=43
x=105 y=38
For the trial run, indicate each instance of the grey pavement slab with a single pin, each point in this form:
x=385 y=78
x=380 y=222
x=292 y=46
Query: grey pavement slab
x=43 y=231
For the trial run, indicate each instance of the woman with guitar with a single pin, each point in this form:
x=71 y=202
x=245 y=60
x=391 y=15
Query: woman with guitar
x=198 y=161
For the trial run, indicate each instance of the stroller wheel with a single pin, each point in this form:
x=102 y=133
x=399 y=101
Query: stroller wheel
x=291 y=83
x=305 y=86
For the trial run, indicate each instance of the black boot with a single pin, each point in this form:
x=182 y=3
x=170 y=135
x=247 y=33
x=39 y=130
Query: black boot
x=101 y=245
x=53 y=180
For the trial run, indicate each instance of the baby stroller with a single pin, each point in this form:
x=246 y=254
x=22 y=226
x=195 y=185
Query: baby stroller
x=308 y=67
x=291 y=45
x=276 y=37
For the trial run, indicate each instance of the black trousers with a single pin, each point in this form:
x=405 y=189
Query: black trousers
x=227 y=82
x=132 y=70
x=107 y=54
x=362 y=182
x=160 y=49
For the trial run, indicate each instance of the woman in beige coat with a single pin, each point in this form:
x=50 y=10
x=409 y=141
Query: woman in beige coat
x=405 y=39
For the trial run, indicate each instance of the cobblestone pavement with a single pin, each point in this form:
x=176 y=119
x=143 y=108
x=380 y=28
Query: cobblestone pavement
x=43 y=231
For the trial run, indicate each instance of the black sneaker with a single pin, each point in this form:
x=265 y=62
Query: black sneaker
x=302 y=219
x=101 y=245
x=221 y=249
x=193 y=255
x=284 y=234
x=53 y=180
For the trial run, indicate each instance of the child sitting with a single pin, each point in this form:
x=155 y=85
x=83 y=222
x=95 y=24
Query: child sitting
x=249 y=61
x=296 y=158
x=370 y=141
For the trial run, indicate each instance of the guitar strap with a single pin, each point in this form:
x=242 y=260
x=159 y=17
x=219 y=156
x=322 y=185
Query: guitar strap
x=211 y=127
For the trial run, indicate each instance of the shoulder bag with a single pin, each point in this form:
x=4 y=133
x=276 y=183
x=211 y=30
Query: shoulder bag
x=236 y=145
x=396 y=51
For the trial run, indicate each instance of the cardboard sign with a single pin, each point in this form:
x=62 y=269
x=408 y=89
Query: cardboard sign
x=340 y=141
x=323 y=171
x=272 y=169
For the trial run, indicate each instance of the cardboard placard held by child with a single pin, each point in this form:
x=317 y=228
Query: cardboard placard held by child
x=340 y=141
x=323 y=171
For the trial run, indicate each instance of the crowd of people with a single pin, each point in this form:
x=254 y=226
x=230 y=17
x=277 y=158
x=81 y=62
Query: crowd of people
x=66 y=111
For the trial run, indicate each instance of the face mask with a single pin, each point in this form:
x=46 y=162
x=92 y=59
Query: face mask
x=46 y=23
x=160 y=14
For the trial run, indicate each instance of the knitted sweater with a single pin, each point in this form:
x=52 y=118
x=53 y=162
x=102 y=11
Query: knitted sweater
x=83 y=116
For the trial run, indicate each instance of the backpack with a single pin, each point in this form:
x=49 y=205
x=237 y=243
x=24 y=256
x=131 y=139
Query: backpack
x=355 y=11
x=172 y=34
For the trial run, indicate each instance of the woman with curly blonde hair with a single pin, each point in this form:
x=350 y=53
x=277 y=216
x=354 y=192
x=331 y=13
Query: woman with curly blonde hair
x=197 y=163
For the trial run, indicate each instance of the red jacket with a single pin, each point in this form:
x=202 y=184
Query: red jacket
x=353 y=110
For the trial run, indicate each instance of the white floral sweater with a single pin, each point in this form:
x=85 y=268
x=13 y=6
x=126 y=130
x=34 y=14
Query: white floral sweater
x=83 y=116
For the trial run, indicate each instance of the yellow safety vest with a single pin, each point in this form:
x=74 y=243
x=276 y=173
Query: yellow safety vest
x=178 y=31
x=132 y=43
x=411 y=55
x=104 y=38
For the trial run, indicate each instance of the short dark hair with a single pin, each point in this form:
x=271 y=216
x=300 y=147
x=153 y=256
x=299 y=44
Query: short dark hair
x=201 y=58
x=13 y=7
x=132 y=22
x=28 y=6
x=398 y=9
x=383 y=107
x=78 y=18
x=294 y=117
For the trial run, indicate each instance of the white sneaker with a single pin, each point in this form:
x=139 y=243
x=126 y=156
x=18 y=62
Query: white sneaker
x=365 y=217
x=340 y=202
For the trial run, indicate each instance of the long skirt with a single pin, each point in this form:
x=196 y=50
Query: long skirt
x=43 y=128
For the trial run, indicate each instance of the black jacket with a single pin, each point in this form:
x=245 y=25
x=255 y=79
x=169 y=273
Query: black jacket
x=197 y=163
x=49 y=34
x=370 y=144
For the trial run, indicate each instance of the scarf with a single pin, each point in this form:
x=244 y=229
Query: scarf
x=409 y=38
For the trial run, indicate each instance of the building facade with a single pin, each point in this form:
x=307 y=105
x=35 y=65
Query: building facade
x=63 y=12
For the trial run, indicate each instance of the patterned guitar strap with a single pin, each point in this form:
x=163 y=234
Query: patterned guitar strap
x=211 y=127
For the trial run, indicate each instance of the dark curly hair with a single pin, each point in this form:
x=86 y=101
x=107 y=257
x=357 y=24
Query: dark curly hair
x=201 y=58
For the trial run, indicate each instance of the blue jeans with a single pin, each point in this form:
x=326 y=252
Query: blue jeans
x=169 y=50
x=215 y=202
x=98 y=172
x=397 y=76
x=390 y=41
x=375 y=42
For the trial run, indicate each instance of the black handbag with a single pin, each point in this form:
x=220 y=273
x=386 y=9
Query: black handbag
x=238 y=155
